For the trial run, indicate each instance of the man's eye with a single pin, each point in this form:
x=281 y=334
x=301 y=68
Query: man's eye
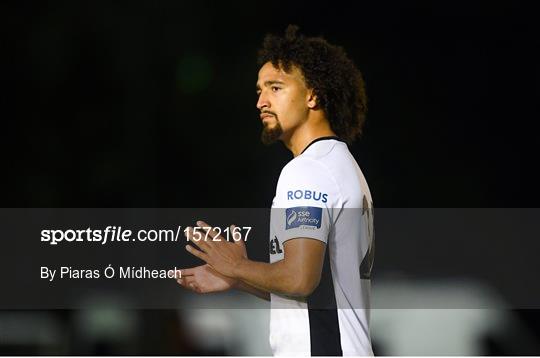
x=275 y=89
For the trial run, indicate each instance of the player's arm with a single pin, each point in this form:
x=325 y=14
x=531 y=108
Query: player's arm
x=246 y=287
x=298 y=274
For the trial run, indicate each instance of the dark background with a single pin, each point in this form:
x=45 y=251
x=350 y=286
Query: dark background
x=152 y=104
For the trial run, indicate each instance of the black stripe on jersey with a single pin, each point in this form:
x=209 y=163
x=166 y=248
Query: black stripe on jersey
x=324 y=332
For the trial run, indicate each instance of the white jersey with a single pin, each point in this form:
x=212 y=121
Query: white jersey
x=322 y=195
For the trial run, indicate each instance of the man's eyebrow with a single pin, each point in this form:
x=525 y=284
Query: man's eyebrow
x=269 y=83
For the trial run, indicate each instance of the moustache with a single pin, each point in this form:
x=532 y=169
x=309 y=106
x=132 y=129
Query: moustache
x=268 y=112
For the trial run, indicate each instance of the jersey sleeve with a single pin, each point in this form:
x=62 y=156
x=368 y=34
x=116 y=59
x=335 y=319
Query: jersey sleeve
x=306 y=200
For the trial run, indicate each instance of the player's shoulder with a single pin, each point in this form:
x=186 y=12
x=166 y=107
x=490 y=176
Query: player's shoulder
x=318 y=159
x=310 y=179
x=304 y=167
x=310 y=169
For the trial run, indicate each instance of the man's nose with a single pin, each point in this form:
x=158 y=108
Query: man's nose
x=262 y=102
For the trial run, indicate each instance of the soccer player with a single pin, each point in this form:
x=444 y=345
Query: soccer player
x=312 y=98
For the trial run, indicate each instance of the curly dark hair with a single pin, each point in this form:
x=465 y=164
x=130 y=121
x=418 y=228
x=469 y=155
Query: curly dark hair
x=328 y=71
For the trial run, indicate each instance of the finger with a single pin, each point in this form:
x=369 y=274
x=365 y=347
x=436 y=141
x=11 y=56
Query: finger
x=235 y=236
x=188 y=272
x=197 y=240
x=175 y=274
x=202 y=255
x=182 y=282
x=186 y=281
x=180 y=273
x=189 y=284
x=194 y=287
x=212 y=233
x=240 y=242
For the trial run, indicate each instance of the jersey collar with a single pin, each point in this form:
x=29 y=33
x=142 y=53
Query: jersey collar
x=319 y=139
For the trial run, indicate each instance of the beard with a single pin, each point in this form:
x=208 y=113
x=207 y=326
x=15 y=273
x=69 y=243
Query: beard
x=269 y=134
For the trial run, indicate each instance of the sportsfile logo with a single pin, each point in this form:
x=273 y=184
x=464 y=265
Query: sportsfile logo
x=303 y=217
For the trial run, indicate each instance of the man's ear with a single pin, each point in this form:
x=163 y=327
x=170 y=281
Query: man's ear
x=312 y=100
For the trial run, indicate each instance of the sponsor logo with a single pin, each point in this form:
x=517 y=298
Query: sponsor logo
x=291 y=217
x=307 y=194
x=303 y=217
x=275 y=247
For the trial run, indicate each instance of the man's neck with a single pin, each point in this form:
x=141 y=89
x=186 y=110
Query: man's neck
x=306 y=134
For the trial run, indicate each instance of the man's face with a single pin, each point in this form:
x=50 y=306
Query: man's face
x=283 y=101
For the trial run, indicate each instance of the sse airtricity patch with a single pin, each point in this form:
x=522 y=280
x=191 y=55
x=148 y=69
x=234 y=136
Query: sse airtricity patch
x=303 y=217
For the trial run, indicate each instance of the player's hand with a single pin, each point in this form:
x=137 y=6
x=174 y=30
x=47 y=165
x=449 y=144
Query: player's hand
x=222 y=255
x=204 y=279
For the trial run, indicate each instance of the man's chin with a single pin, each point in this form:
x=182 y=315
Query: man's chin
x=271 y=135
